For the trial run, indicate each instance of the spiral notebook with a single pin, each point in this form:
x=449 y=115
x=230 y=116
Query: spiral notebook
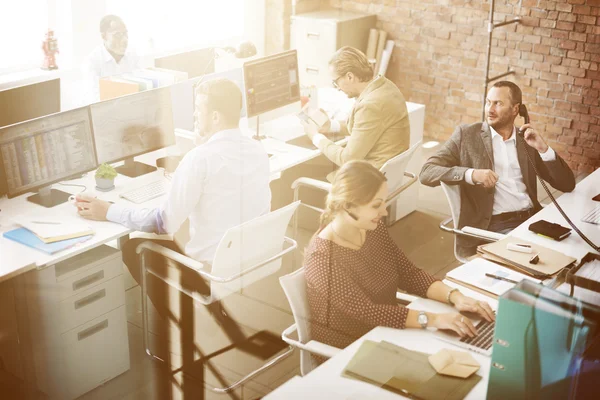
x=28 y=238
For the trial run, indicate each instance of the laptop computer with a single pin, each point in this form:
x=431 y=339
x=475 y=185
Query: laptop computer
x=482 y=343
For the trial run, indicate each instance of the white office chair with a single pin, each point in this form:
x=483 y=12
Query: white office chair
x=247 y=253
x=294 y=287
x=452 y=193
x=394 y=170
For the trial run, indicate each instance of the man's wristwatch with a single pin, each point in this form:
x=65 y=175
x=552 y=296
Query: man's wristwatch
x=422 y=319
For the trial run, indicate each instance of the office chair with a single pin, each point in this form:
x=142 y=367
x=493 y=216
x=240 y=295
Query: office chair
x=294 y=287
x=246 y=254
x=394 y=170
x=452 y=193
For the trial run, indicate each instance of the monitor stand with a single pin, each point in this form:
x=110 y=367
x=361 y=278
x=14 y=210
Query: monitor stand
x=257 y=135
x=134 y=169
x=48 y=197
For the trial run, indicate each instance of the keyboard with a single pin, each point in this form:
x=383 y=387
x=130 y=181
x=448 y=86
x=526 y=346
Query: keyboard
x=146 y=192
x=593 y=217
x=485 y=335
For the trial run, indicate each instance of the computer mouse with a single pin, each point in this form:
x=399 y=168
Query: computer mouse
x=169 y=163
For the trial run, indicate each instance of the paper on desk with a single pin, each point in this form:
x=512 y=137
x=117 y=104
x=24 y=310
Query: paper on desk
x=454 y=363
x=52 y=229
x=472 y=275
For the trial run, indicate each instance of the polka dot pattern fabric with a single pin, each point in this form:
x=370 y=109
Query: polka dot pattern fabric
x=352 y=291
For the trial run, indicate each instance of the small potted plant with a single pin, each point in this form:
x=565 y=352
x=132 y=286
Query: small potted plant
x=105 y=178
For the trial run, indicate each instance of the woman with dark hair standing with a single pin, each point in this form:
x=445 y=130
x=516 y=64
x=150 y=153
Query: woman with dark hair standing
x=354 y=268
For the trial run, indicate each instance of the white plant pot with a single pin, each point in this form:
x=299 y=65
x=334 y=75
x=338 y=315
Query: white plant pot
x=105 y=184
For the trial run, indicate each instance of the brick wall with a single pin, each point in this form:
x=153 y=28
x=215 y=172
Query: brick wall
x=440 y=53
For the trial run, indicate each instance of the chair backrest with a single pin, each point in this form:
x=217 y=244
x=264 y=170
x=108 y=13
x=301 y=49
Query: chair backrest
x=452 y=193
x=294 y=287
x=247 y=245
x=395 y=167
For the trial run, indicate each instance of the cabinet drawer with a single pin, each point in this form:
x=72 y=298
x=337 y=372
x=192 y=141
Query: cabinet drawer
x=89 y=278
x=88 y=304
x=314 y=74
x=314 y=39
x=95 y=352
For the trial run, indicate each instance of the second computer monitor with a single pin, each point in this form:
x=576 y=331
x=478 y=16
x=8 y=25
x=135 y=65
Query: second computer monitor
x=271 y=83
x=37 y=153
x=132 y=125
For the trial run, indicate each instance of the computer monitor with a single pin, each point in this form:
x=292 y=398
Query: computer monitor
x=132 y=125
x=272 y=84
x=37 y=153
x=29 y=101
x=182 y=96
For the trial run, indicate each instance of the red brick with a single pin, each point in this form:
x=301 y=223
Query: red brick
x=579 y=37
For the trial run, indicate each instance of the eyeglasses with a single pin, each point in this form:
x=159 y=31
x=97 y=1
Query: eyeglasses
x=335 y=82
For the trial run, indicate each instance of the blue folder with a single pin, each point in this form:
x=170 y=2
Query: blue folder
x=28 y=238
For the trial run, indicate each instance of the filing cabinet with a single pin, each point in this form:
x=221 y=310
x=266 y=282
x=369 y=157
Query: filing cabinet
x=317 y=35
x=73 y=323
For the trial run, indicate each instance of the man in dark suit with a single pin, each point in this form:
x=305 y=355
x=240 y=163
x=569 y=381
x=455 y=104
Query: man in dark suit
x=488 y=161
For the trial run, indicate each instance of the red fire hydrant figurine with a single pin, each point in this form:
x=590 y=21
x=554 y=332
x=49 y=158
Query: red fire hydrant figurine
x=50 y=47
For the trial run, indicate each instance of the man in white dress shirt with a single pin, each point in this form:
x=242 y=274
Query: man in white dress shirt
x=489 y=162
x=113 y=57
x=220 y=184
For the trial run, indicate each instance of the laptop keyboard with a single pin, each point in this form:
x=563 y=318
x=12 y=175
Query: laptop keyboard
x=485 y=335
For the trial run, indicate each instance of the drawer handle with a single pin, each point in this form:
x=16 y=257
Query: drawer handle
x=312 y=70
x=88 y=280
x=313 y=35
x=92 y=330
x=90 y=299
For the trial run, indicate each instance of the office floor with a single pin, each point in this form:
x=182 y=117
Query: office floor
x=231 y=341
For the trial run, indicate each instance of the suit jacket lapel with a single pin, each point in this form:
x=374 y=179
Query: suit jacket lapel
x=486 y=136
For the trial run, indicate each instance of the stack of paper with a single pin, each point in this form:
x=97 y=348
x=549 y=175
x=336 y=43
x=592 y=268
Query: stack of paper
x=50 y=230
x=473 y=276
x=137 y=81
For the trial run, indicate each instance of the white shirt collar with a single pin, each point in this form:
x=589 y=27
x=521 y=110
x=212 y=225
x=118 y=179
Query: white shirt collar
x=225 y=134
x=107 y=57
x=494 y=134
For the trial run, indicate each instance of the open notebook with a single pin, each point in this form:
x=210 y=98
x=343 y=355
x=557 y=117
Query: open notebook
x=50 y=230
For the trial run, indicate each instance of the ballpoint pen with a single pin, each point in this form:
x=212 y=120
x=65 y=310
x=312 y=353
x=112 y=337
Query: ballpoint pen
x=46 y=222
x=501 y=278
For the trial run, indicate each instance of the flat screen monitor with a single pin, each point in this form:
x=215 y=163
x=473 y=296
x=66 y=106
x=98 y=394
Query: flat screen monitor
x=182 y=96
x=132 y=125
x=43 y=151
x=271 y=83
x=195 y=62
x=30 y=101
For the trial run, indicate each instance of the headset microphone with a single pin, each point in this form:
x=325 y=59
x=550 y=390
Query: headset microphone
x=353 y=216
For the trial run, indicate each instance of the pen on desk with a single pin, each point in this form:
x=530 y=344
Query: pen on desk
x=46 y=222
x=501 y=278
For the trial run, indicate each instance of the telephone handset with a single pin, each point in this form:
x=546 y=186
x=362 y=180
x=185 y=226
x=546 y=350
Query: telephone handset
x=523 y=113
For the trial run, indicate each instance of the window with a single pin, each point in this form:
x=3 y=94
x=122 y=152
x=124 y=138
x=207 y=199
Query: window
x=23 y=25
x=157 y=26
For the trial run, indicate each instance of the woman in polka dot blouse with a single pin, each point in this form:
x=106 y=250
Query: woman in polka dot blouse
x=354 y=268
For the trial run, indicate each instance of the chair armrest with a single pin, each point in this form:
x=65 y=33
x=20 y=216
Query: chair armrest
x=197 y=266
x=394 y=195
x=469 y=231
x=324 y=186
x=168 y=253
x=405 y=298
x=487 y=235
x=312 y=346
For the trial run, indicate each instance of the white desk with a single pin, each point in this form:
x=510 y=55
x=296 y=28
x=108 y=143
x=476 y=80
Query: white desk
x=575 y=204
x=17 y=258
x=327 y=377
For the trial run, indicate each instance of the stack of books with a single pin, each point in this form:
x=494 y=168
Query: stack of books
x=137 y=81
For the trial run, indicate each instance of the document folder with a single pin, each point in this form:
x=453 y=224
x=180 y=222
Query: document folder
x=540 y=334
x=29 y=238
